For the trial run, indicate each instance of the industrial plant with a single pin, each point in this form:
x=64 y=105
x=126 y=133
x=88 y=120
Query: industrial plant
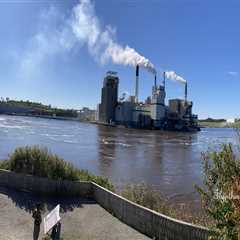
x=151 y=114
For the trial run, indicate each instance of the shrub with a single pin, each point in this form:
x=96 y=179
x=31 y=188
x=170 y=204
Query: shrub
x=4 y=164
x=221 y=192
x=40 y=162
x=147 y=197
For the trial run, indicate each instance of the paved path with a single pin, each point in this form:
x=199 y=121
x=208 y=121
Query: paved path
x=81 y=219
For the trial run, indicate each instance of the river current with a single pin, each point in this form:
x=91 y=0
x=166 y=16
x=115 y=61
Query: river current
x=169 y=161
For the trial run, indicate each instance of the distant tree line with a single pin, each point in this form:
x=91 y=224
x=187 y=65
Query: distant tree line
x=36 y=108
x=213 y=120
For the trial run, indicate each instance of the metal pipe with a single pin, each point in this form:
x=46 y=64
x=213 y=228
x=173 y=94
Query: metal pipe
x=164 y=80
x=155 y=81
x=186 y=92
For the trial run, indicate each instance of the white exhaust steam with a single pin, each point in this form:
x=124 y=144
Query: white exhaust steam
x=101 y=40
x=173 y=76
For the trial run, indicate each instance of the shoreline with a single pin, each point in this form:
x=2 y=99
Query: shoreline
x=42 y=116
x=201 y=126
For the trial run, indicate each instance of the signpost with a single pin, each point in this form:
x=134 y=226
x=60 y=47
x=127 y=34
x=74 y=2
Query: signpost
x=51 y=219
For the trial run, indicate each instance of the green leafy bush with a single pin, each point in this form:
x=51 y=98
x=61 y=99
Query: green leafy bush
x=5 y=164
x=221 y=193
x=42 y=163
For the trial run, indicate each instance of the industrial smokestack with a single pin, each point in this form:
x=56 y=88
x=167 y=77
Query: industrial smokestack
x=186 y=92
x=137 y=70
x=137 y=80
x=164 y=79
x=155 y=81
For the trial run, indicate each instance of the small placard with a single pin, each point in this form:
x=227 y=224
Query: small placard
x=51 y=219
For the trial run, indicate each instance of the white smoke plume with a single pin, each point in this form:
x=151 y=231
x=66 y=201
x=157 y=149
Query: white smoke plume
x=101 y=41
x=124 y=96
x=173 y=76
x=60 y=33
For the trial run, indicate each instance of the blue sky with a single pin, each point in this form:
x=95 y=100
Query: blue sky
x=42 y=60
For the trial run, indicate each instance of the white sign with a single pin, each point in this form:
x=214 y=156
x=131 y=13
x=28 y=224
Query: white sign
x=51 y=219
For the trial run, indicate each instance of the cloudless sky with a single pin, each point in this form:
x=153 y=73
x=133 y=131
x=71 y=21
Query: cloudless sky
x=199 y=39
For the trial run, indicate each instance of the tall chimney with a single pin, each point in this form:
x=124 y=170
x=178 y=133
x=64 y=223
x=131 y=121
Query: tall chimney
x=136 y=87
x=164 y=79
x=185 y=92
x=155 y=81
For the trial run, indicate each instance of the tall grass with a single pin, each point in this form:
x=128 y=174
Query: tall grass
x=42 y=163
x=146 y=196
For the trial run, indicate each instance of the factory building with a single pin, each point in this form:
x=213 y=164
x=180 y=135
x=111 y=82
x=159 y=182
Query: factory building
x=109 y=98
x=152 y=114
x=179 y=108
x=158 y=108
x=124 y=112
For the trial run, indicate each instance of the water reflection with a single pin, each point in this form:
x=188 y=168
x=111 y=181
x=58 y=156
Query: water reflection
x=169 y=161
x=161 y=159
x=106 y=151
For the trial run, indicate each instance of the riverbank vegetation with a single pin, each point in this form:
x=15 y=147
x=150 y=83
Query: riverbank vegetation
x=213 y=123
x=219 y=123
x=146 y=196
x=204 y=124
x=42 y=163
x=236 y=124
x=35 y=108
x=221 y=192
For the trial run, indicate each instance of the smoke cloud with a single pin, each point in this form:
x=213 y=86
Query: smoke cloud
x=59 y=34
x=101 y=41
x=124 y=96
x=173 y=76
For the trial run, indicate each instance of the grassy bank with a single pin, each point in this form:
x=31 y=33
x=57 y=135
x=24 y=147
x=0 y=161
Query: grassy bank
x=236 y=125
x=206 y=124
x=218 y=123
x=42 y=163
x=35 y=108
x=213 y=124
x=146 y=196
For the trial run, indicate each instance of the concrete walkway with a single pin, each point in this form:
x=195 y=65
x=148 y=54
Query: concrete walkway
x=81 y=218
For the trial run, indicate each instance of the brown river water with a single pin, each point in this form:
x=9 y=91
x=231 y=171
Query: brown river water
x=168 y=161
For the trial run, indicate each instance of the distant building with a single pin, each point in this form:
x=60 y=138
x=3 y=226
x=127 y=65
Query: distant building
x=124 y=112
x=109 y=98
x=180 y=108
x=97 y=113
x=158 y=108
x=86 y=114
